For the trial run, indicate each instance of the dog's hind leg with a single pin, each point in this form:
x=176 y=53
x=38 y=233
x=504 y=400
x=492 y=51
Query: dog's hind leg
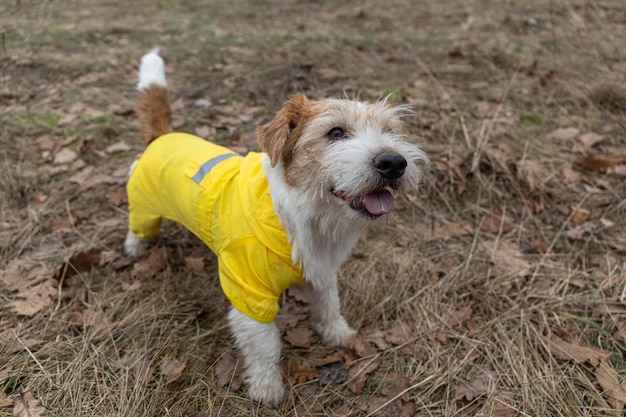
x=134 y=246
x=259 y=344
x=143 y=223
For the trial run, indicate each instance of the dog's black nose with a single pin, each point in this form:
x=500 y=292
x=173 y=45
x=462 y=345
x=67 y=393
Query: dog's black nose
x=390 y=165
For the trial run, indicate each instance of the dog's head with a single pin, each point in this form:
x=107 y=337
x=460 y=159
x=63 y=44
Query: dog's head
x=349 y=156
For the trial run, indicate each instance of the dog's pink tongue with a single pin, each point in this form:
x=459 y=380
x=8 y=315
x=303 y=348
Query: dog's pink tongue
x=380 y=202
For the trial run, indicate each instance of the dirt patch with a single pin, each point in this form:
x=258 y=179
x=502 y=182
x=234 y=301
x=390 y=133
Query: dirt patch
x=498 y=290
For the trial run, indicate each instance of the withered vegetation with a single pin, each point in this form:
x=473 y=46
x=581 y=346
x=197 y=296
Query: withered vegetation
x=497 y=290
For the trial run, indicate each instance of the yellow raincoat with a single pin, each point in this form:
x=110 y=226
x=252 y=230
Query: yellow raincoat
x=223 y=199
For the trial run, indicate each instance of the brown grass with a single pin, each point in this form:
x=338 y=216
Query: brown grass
x=509 y=243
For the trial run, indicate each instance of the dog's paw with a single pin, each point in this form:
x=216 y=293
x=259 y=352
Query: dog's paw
x=267 y=389
x=134 y=246
x=336 y=333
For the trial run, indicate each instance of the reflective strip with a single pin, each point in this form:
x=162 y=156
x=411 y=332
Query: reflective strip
x=208 y=166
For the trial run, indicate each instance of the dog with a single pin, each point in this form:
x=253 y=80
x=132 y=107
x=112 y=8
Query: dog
x=287 y=216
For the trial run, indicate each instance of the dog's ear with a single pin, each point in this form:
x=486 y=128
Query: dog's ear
x=278 y=138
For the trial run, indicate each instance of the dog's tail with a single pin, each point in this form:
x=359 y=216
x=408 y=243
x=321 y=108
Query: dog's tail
x=153 y=106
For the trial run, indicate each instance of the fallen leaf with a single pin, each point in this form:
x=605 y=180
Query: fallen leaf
x=225 y=371
x=377 y=338
x=399 y=334
x=578 y=232
x=574 y=352
x=539 y=247
x=135 y=285
x=80 y=262
x=120 y=146
x=206 y=132
x=361 y=347
x=155 y=262
x=98 y=179
x=118 y=197
x=495 y=222
x=27 y=406
x=531 y=172
x=96 y=320
x=442 y=339
x=108 y=257
x=507 y=257
x=64 y=156
x=300 y=371
x=564 y=133
x=24 y=344
x=4 y=400
x=609 y=308
x=480 y=386
x=82 y=175
x=601 y=163
x=443 y=230
x=357 y=375
x=608 y=380
x=194 y=264
x=451 y=172
x=6 y=371
x=67 y=119
x=570 y=174
x=579 y=215
x=172 y=369
x=34 y=299
x=93 y=112
x=460 y=317
x=590 y=139
x=60 y=225
x=299 y=337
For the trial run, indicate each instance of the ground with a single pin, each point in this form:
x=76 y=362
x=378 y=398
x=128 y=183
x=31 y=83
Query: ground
x=497 y=289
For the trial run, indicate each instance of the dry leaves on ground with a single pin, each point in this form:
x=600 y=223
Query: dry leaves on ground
x=612 y=388
x=574 y=352
x=172 y=369
x=226 y=372
x=5 y=401
x=25 y=405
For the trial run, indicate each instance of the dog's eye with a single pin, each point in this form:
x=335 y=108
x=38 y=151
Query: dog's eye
x=336 y=133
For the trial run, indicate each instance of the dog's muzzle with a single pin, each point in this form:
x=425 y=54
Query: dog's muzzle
x=375 y=203
x=390 y=165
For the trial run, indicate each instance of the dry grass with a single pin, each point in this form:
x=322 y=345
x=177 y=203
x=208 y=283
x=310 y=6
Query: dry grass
x=509 y=243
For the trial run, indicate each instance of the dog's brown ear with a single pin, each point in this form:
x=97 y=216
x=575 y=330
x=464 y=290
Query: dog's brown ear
x=278 y=138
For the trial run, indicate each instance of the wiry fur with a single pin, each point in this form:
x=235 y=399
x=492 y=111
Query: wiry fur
x=316 y=183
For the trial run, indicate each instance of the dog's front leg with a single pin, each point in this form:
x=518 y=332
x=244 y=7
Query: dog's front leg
x=259 y=344
x=326 y=314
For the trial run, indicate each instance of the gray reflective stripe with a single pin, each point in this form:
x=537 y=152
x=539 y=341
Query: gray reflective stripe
x=208 y=165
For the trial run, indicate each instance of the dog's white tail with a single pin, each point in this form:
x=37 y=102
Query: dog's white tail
x=153 y=107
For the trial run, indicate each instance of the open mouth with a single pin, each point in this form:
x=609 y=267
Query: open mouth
x=373 y=204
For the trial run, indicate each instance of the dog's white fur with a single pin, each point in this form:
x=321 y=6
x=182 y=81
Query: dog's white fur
x=309 y=190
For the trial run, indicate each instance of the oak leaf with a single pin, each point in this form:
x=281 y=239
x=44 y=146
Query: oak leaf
x=576 y=353
x=299 y=337
x=300 y=371
x=4 y=400
x=601 y=162
x=225 y=371
x=608 y=380
x=194 y=264
x=27 y=406
x=564 y=133
x=172 y=369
